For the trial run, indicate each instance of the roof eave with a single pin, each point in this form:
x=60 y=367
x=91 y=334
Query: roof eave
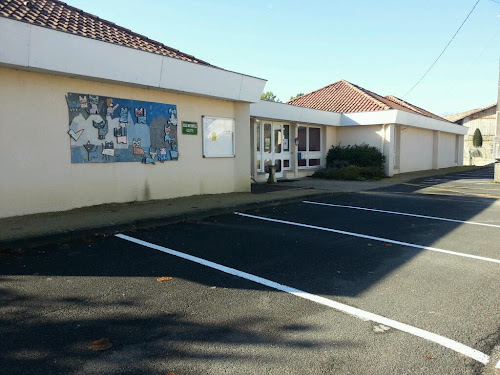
x=38 y=48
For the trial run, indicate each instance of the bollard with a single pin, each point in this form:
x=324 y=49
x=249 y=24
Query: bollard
x=272 y=175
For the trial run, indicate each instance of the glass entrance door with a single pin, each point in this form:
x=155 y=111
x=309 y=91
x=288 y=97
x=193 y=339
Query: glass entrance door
x=273 y=147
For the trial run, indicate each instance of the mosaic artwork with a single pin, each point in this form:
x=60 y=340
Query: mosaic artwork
x=106 y=130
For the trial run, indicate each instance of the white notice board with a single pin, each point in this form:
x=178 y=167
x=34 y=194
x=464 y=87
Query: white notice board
x=218 y=137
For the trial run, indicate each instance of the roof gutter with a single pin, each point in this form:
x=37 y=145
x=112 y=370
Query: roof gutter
x=37 y=48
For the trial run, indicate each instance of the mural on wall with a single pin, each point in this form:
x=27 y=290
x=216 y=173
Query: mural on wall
x=105 y=130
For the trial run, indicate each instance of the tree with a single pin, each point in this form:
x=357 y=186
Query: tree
x=269 y=96
x=296 y=96
x=477 y=138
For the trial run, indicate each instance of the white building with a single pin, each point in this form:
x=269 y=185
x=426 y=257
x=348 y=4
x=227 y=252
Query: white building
x=84 y=101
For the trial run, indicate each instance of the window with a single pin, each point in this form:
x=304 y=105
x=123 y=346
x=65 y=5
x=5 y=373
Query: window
x=286 y=138
x=257 y=138
x=309 y=149
x=314 y=139
x=267 y=138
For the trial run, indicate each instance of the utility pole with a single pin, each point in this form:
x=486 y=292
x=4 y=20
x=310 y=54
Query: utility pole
x=496 y=144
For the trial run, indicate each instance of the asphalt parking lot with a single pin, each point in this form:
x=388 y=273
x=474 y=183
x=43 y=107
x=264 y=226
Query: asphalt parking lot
x=400 y=280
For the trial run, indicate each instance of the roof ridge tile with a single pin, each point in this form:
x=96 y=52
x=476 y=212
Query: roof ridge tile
x=366 y=93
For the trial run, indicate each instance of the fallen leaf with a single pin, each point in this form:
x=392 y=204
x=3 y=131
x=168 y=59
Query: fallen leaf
x=213 y=287
x=171 y=373
x=101 y=344
x=463 y=356
x=164 y=278
x=428 y=356
x=387 y=244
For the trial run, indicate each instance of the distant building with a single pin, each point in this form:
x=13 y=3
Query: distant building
x=483 y=119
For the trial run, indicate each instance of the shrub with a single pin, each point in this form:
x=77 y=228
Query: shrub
x=360 y=156
x=477 y=138
x=357 y=163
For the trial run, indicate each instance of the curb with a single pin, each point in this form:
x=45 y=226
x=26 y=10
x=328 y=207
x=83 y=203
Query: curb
x=150 y=222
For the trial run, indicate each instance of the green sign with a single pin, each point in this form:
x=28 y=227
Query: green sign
x=189 y=127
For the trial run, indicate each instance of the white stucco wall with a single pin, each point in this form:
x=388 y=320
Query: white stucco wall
x=330 y=137
x=351 y=135
x=37 y=174
x=447 y=146
x=416 y=149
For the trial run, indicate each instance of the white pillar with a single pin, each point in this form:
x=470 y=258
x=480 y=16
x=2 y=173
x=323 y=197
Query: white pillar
x=242 y=162
x=435 y=148
x=295 y=149
x=389 y=150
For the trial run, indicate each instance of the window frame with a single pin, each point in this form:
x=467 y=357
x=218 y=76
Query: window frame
x=310 y=155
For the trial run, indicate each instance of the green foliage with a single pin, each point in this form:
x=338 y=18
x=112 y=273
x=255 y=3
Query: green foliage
x=477 y=138
x=352 y=173
x=360 y=156
x=355 y=163
x=296 y=96
x=269 y=96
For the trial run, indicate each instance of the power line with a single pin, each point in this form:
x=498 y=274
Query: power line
x=435 y=61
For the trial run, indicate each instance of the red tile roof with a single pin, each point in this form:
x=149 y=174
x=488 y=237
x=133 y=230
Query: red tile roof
x=345 y=97
x=60 y=16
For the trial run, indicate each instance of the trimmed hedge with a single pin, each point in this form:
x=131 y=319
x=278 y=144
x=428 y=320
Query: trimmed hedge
x=357 y=163
x=477 y=138
x=361 y=156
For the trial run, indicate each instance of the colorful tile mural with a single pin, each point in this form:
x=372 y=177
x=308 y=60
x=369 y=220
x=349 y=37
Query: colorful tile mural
x=106 y=130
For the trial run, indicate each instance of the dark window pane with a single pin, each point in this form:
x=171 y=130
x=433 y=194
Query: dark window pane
x=314 y=139
x=286 y=163
x=257 y=140
x=277 y=163
x=302 y=163
x=286 y=137
x=277 y=141
x=302 y=138
x=267 y=137
x=314 y=162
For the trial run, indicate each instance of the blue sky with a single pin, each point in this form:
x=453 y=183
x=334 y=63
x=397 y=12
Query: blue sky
x=299 y=46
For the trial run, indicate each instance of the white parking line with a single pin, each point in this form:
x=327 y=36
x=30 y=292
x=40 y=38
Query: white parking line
x=364 y=315
x=402 y=213
x=381 y=239
x=498 y=365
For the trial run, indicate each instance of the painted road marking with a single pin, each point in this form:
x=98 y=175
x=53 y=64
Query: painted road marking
x=498 y=365
x=362 y=314
x=403 y=214
x=373 y=238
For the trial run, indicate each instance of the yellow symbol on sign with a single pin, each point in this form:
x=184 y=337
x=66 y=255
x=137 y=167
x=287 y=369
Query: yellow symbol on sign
x=214 y=137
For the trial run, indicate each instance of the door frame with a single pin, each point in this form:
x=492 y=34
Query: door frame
x=271 y=136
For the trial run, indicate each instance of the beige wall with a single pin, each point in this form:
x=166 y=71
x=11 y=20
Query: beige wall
x=447 y=143
x=485 y=121
x=351 y=135
x=37 y=174
x=416 y=149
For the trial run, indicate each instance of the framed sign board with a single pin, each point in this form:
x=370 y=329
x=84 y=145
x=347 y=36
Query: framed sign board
x=218 y=137
x=189 y=127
